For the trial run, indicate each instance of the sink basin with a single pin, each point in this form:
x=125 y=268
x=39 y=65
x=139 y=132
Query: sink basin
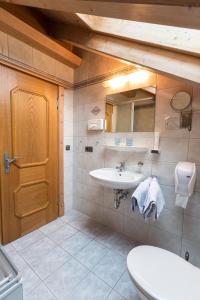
x=114 y=179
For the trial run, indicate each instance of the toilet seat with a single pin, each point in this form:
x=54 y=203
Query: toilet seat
x=162 y=275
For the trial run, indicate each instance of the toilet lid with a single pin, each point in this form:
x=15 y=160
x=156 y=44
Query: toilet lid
x=163 y=275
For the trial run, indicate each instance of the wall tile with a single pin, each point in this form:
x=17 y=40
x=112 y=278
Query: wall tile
x=170 y=222
x=193 y=154
x=193 y=248
x=164 y=239
x=191 y=228
x=164 y=172
x=113 y=219
x=136 y=228
x=193 y=207
x=195 y=132
x=179 y=153
x=176 y=145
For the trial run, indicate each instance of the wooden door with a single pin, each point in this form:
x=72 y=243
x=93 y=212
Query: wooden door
x=28 y=129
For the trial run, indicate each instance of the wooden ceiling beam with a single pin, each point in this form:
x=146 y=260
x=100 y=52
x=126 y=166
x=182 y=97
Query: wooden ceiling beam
x=163 y=61
x=157 y=2
x=141 y=11
x=21 y=30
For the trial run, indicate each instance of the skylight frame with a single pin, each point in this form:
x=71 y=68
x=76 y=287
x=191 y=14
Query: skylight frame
x=163 y=36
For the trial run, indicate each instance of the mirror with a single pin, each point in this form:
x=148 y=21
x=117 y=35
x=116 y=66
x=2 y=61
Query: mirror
x=181 y=101
x=131 y=111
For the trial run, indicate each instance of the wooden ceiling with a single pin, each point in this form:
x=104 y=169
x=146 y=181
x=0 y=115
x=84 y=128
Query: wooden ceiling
x=59 y=20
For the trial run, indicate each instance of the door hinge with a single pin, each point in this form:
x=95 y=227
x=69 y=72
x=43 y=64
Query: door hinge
x=57 y=105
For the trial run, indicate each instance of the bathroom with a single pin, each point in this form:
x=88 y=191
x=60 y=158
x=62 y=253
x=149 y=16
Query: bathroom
x=78 y=249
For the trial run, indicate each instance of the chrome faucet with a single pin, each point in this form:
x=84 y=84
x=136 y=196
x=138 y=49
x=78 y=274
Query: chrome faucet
x=121 y=166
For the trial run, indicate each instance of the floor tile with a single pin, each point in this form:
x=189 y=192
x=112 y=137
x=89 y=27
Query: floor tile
x=52 y=226
x=36 y=252
x=18 y=261
x=62 y=233
x=126 y=288
x=111 y=267
x=27 y=240
x=114 y=296
x=41 y=292
x=51 y=262
x=29 y=280
x=91 y=288
x=75 y=243
x=9 y=247
x=91 y=254
x=63 y=281
x=117 y=241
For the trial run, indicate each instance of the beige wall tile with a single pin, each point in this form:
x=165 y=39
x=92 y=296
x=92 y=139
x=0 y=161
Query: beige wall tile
x=195 y=132
x=113 y=219
x=176 y=145
x=43 y=62
x=164 y=239
x=193 y=154
x=191 y=228
x=20 y=51
x=193 y=207
x=136 y=228
x=194 y=250
x=173 y=150
x=170 y=221
x=164 y=172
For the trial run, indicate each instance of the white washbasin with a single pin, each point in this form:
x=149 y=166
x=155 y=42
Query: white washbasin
x=114 y=179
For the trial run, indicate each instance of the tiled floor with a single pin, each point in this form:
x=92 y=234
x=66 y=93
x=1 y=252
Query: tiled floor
x=73 y=258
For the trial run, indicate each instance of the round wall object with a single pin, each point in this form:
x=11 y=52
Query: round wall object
x=181 y=101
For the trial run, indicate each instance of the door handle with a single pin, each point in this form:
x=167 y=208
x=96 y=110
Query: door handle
x=7 y=162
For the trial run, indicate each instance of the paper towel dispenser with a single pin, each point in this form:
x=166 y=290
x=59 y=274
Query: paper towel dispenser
x=96 y=124
x=185 y=178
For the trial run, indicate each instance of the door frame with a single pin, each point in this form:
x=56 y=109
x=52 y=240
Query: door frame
x=60 y=126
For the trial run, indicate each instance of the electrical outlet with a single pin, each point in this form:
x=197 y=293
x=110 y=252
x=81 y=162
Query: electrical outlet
x=88 y=149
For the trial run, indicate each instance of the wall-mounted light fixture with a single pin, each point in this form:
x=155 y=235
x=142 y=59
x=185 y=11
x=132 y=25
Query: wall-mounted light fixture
x=136 y=77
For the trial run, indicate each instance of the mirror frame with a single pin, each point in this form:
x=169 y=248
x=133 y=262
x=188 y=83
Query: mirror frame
x=136 y=88
x=182 y=109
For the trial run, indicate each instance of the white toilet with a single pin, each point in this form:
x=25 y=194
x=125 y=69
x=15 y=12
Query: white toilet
x=161 y=275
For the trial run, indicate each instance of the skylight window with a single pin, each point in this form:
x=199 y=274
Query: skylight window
x=177 y=38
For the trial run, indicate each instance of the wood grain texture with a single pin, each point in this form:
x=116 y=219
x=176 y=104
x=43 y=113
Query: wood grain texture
x=22 y=31
x=163 y=61
x=29 y=193
x=141 y=11
x=33 y=127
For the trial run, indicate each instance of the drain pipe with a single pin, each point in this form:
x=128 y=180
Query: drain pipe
x=118 y=196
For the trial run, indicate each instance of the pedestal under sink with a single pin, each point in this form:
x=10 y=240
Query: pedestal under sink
x=112 y=178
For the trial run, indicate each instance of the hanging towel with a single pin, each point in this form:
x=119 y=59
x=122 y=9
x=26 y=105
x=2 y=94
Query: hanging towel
x=140 y=194
x=154 y=202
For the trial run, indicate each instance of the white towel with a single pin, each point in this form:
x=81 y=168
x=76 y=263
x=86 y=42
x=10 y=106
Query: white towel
x=140 y=194
x=154 y=202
